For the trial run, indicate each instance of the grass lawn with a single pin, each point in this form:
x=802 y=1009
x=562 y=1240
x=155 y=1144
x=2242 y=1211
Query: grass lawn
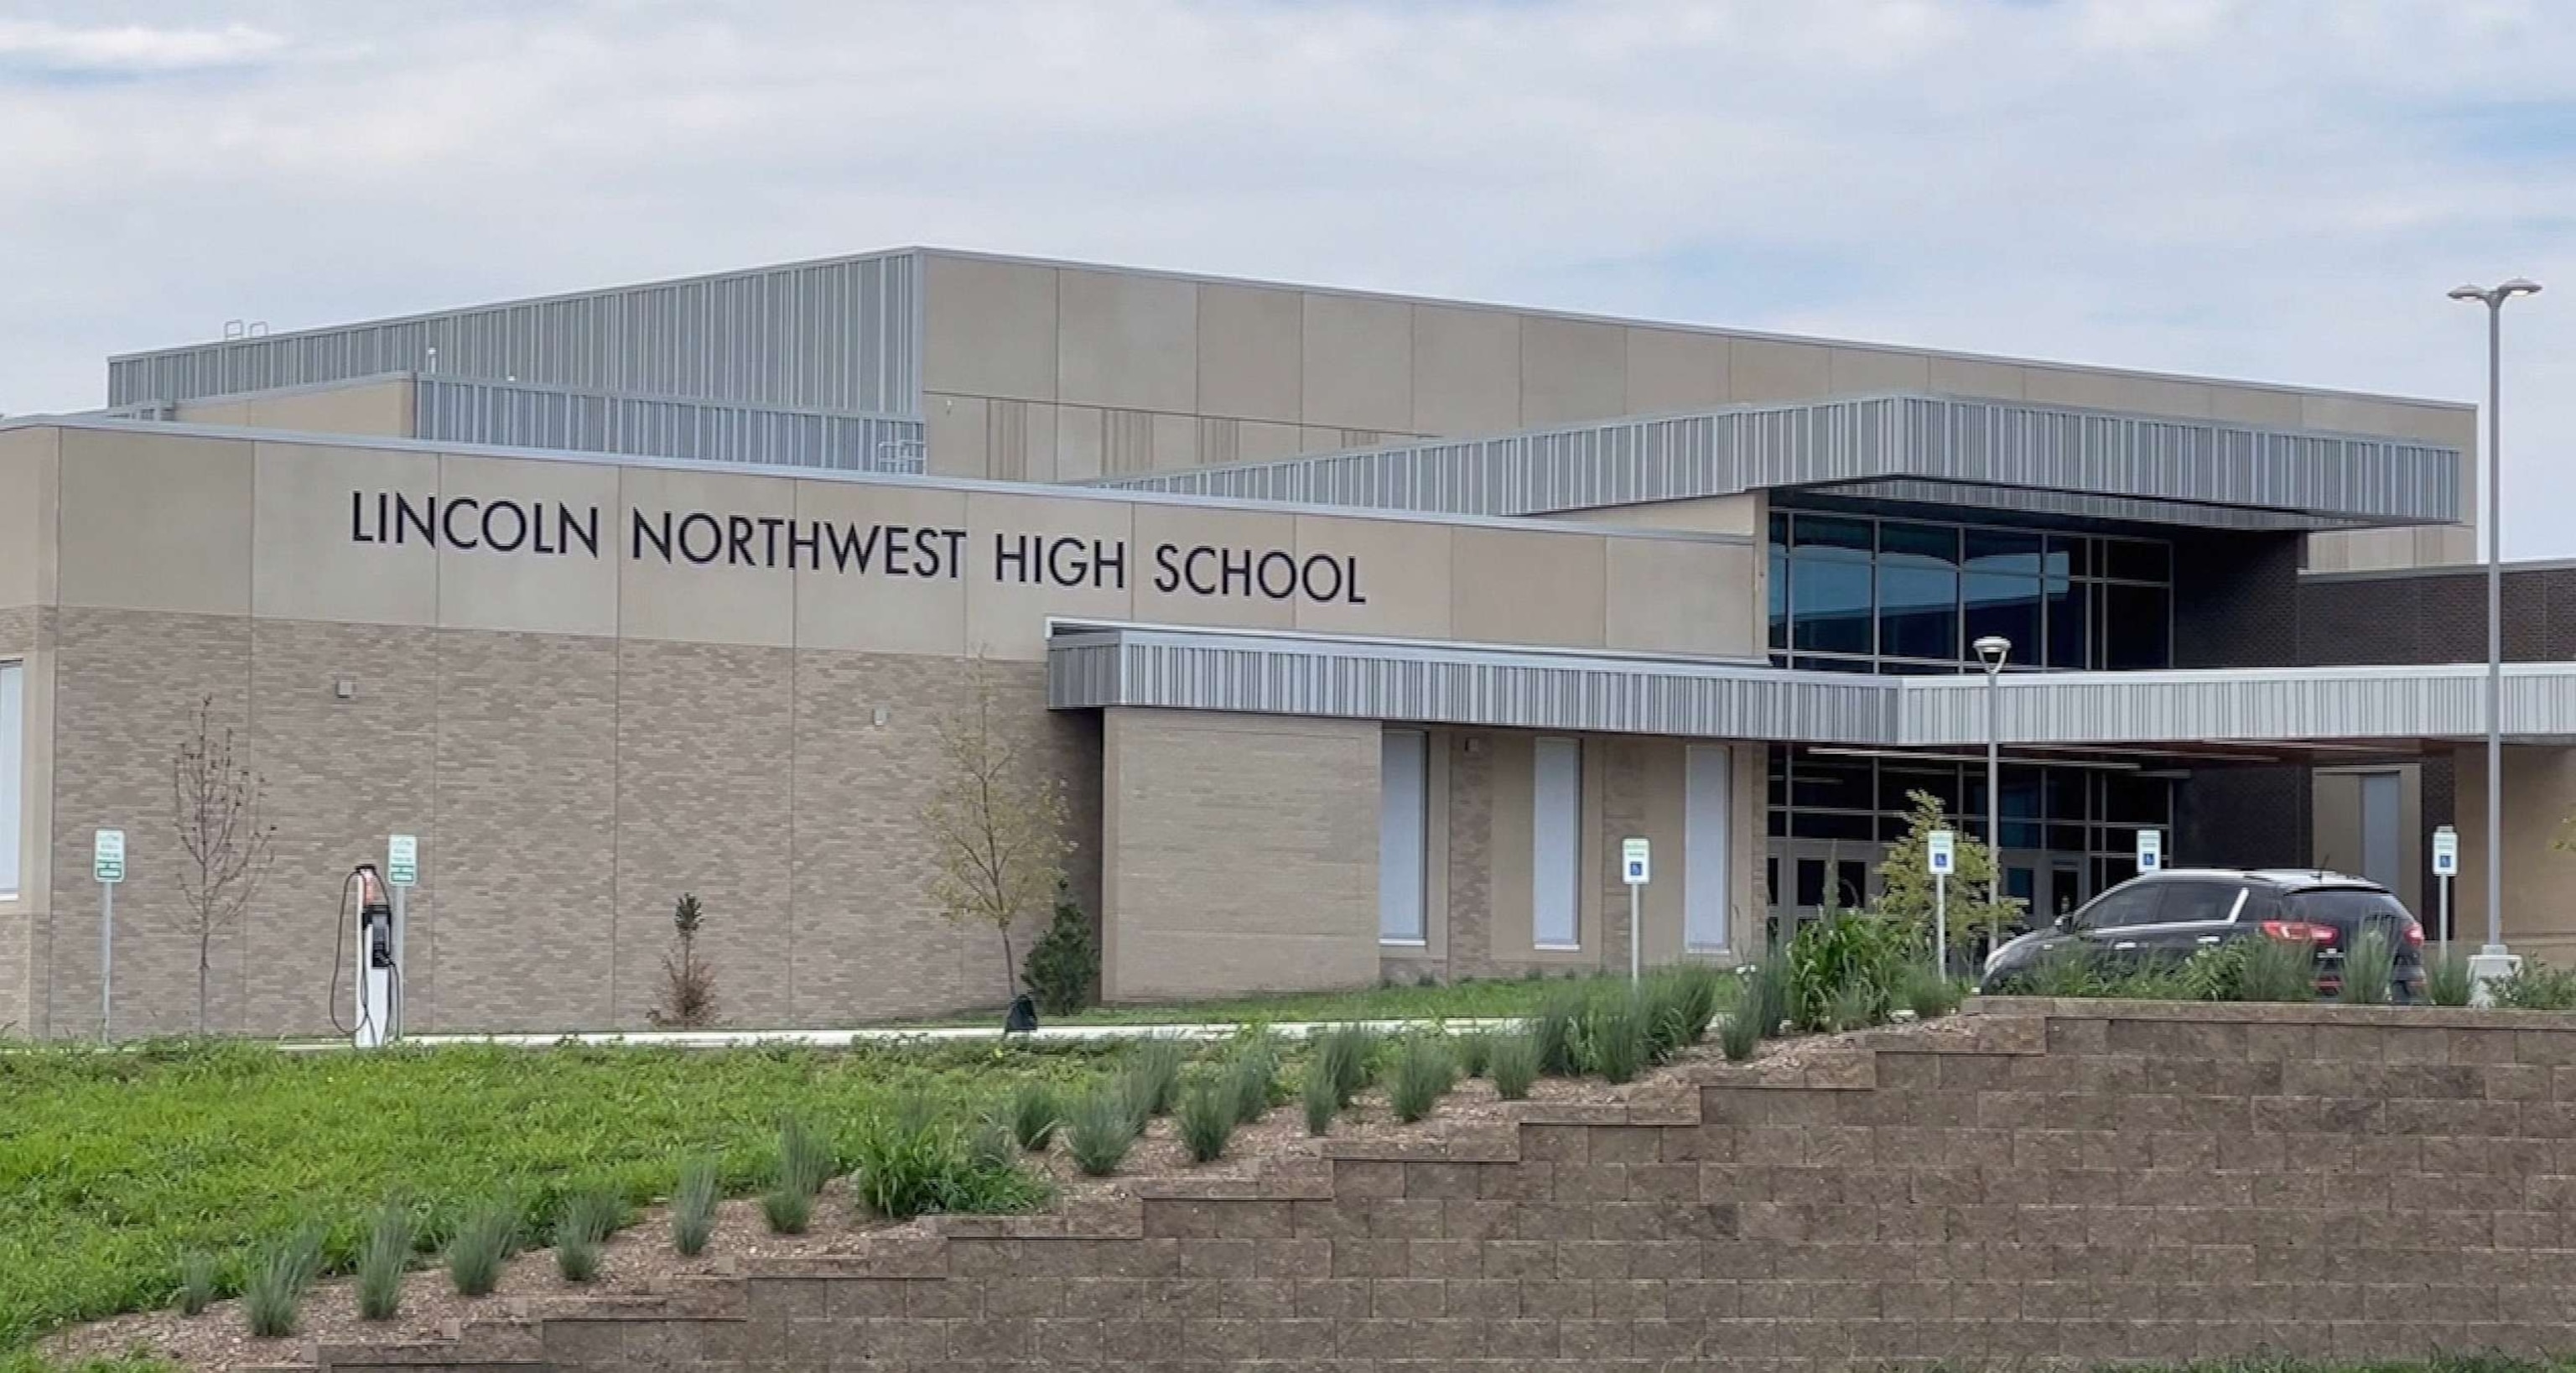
x=111 y=1164
x=1458 y=1001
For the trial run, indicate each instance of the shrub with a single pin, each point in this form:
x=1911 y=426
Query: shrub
x=787 y=1209
x=1855 y=1007
x=2535 y=986
x=1475 y=1049
x=2277 y=970
x=2215 y=972
x=1742 y=1032
x=1611 y=1038
x=1423 y=1074
x=1064 y=963
x=1151 y=1081
x=687 y=999
x=1681 y=1000
x=1554 y=1029
x=1035 y=1111
x=198 y=1282
x=1344 y=1055
x=2446 y=979
x=991 y=1145
x=1100 y=1130
x=1841 y=954
x=1513 y=1060
x=914 y=1161
x=382 y=1263
x=2369 y=970
x=1322 y=1100
x=586 y=1221
x=1207 y=1118
x=1929 y=994
x=2063 y=971
x=479 y=1248
x=693 y=1208
x=278 y=1279
x=804 y=1161
x=1248 y=1079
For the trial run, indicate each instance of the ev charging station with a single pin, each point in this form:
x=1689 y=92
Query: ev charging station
x=376 y=979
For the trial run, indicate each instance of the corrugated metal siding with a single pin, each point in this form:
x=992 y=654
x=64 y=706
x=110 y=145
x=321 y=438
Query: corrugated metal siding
x=589 y=422
x=839 y=335
x=2000 y=444
x=1439 y=684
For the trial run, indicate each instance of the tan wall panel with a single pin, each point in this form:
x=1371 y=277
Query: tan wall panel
x=1403 y=576
x=2255 y=405
x=1242 y=533
x=1761 y=371
x=1006 y=618
x=2539 y=795
x=30 y=467
x=1357 y=363
x=876 y=609
x=1081 y=446
x=1680 y=597
x=1127 y=341
x=1572 y=370
x=989 y=328
x=1176 y=442
x=723 y=601
x=1251 y=354
x=1705 y=514
x=1508 y=586
x=573 y=594
x=2110 y=391
x=1466 y=371
x=1259 y=442
x=957 y=433
x=307 y=563
x=1672 y=370
x=1969 y=377
x=382 y=408
x=155 y=522
x=232 y=414
x=1241 y=853
x=1855 y=370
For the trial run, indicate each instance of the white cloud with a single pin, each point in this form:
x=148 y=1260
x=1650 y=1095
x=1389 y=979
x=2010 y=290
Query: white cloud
x=130 y=48
x=2280 y=190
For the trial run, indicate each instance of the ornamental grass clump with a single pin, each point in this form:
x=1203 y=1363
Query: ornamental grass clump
x=383 y=1261
x=2369 y=970
x=1767 y=994
x=788 y=1210
x=1151 y=1079
x=1929 y=994
x=1249 y=1077
x=1475 y=1052
x=693 y=1208
x=1555 y=1029
x=1680 y=1001
x=804 y=1160
x=2277 y=970
x=1100 y=1130
x=1346 y=1055
x=1207 y=1118
x=1741 y=1032
x=1422 y=1075
x=480 y=1247
x=1320 y=1098
x=1513 y=1062
x=2446 y=979
x=582 y=1229
x=198 y=1282
x=1035 y=1112
x=1611 y=1036
x=279 y=1278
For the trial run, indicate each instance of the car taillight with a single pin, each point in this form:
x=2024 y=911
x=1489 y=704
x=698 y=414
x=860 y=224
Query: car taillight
x=2415 y=935
x=2299 y=929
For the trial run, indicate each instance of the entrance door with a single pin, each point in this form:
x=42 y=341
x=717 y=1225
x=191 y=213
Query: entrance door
x=1805 y=872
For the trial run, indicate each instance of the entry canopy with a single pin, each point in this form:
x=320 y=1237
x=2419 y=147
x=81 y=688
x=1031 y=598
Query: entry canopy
x=1281 y=673
x=1944 y=450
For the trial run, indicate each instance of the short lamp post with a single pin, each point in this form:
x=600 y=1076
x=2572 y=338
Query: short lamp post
x=2494 y=961
x=1993 y=650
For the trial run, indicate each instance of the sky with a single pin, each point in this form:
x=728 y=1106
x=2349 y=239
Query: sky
x=2276 y=190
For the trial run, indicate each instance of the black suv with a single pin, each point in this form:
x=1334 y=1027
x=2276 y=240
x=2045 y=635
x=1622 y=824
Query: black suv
x=2167 y=916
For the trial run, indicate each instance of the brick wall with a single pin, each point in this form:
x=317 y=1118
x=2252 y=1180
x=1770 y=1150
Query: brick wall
x=566 y=790
x=2058 y=1181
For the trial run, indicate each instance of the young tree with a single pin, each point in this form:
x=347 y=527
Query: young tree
x=1063 y=963
x=1906 y=886
x=996 y=823
x=688 y=986
x=215 y=805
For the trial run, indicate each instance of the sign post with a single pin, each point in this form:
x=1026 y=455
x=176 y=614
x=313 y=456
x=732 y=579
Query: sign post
x=107 y=865
x=2446 y=865
x=1633 y=855
x=402 y=869
x=1943 y=851
x=2151 y=851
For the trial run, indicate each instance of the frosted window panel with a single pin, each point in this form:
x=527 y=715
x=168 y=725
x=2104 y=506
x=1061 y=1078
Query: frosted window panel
x=1403 y=808
x=13 y=759
x=1556 y=844
x=1708 y=809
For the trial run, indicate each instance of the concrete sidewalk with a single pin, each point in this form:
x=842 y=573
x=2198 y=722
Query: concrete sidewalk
x=899 y=1034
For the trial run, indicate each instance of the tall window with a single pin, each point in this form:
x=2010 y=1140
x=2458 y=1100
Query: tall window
x=13 y=758
x=1403 y=816
x=1708 y=810
x=1556 y=844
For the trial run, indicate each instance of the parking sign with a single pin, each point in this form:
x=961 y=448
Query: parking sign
x=1944 y=853
x=2446 y=852
x=2151 y=850
x=1632 y=861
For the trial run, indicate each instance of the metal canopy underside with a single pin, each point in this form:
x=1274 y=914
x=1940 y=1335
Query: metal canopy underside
x=1607 y=693
x=2006 y=455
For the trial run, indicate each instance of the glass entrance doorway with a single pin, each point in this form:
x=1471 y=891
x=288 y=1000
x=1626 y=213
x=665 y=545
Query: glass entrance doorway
x=1805 y=874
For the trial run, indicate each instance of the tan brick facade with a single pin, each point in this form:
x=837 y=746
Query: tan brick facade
x=2059 y=1186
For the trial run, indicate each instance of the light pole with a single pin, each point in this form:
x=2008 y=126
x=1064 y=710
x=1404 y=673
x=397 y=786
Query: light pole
x=2496 y=961
x=1992 y=650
